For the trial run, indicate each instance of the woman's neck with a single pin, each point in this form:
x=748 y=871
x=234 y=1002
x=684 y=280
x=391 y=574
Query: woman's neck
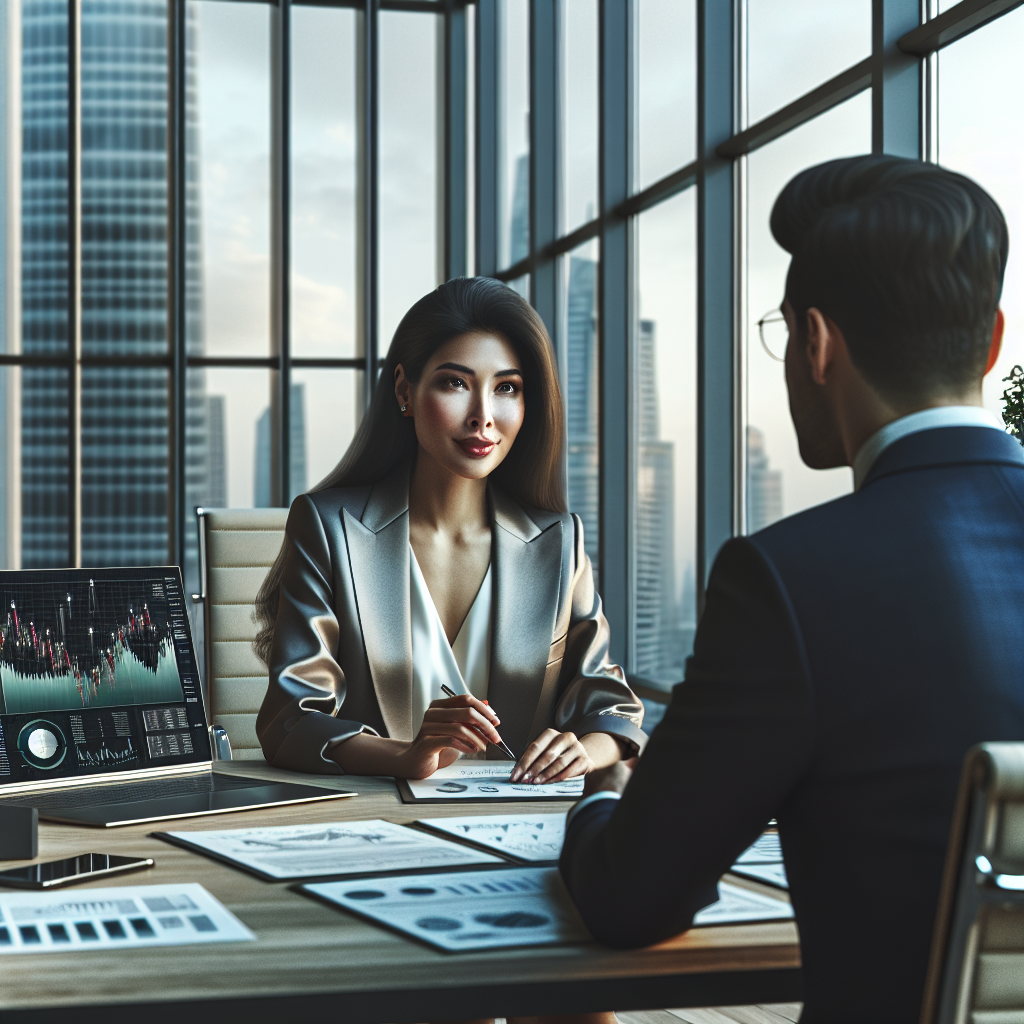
x=443 y=502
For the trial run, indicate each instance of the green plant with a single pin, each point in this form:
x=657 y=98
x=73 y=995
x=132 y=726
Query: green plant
x=1013 y=404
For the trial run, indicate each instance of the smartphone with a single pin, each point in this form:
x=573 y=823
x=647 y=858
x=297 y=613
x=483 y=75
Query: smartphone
x=82 y=868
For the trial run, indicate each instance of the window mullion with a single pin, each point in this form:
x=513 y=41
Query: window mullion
x=614 y=320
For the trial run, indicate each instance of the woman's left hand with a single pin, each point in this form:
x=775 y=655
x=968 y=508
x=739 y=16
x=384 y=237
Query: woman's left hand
x=552 y=757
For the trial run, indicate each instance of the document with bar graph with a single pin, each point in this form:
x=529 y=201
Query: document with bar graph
x=117 y=918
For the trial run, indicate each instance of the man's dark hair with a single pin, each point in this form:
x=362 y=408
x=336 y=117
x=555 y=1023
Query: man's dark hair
x=906 y=258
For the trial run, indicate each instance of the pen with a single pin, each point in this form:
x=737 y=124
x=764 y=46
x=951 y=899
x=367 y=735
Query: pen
x=449 y=692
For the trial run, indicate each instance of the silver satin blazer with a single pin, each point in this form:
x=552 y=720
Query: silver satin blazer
x=341 y=662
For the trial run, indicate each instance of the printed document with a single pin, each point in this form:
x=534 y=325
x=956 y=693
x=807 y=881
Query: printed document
x=466 y=910
x=767 y=850
x=337 y=848
x=736 y=905
x=485 y=780
x=125 y=917
x=514 y=907
x=530 y=837
x=773 y=874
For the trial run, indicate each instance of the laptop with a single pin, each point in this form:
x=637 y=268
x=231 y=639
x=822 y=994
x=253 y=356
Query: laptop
x=102 y=719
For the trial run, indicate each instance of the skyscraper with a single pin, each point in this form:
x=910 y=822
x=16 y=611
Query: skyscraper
x=125 y=409
x=581 y=399
x=263 y=493
x=216 y=453
x=764 y=485
x=519 y=226
x=658 y=653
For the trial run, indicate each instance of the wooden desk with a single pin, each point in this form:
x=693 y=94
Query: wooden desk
x=312 y=962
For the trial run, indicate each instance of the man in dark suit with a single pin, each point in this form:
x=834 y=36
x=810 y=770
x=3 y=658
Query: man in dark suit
x=850 y=655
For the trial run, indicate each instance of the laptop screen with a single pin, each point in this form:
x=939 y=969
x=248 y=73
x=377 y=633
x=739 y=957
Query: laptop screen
x=98 y=675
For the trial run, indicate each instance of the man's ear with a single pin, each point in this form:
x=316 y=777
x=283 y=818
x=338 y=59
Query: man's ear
x=821 y=345
x=997 y=340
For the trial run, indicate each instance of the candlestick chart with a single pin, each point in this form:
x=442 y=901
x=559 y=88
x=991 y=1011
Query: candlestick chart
x=83 y=645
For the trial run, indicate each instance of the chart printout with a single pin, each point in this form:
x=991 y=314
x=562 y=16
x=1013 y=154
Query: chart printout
x=488 y=780
x=125 y=917
x=466 y=910
x=515 y=907
x=530 y=837
x=336 y=848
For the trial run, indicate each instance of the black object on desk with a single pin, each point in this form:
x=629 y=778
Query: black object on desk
x=83 y=868
x=19 y=833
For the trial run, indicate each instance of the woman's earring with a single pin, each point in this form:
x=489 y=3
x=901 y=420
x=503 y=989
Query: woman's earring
x=404 y=407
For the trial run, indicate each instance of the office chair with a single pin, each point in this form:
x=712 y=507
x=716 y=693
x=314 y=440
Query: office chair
x=976 y=971
x=236 y=549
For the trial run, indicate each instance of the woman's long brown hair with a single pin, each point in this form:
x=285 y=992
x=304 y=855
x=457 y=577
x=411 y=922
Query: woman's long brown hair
x=531 y=472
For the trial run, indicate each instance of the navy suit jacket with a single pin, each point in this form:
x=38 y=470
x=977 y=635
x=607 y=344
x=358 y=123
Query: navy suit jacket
x=846 y=660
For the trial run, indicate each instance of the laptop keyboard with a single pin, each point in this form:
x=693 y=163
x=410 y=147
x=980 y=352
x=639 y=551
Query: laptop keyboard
x=131 y=792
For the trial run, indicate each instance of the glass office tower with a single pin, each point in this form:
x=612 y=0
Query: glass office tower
x=125 y=413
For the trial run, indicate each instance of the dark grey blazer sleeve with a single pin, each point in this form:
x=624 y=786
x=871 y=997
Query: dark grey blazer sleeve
x=594 y=696
x=738 y=733
x=296 y=724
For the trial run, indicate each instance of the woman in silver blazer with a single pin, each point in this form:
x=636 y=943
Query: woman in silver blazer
x=335 y=610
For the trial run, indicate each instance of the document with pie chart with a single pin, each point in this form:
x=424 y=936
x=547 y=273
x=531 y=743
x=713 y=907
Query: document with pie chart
x=483 y=781
x=466 y=910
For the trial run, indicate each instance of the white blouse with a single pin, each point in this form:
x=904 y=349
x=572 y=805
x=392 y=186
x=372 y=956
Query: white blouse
x=465 y=665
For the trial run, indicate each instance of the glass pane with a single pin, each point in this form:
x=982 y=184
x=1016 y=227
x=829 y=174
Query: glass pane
x=522 y=286
x=665 y=362
x=329 y=400
x=323 y=197
x=981 y=110
x=580 y=376
x=778 y=483
x=124 y=183
x=514 y=136
x=666 y=87
x=43 y=422
x=408 y=164
x=44 y=176
x=578 y=133
x=232 y=200
x=125 y=460
x=795 y=45
x=229 y=456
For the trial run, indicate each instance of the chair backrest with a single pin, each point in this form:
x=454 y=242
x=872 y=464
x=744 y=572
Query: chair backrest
x=976 y=972
x=237 y=548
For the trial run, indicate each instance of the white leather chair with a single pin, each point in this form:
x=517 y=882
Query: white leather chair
x=976 y=972
x=236 y=549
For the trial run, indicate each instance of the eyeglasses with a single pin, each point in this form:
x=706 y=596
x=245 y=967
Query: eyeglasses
x=774 y=334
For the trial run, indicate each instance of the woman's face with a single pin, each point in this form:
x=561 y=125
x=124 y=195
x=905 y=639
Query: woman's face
x=468 y=406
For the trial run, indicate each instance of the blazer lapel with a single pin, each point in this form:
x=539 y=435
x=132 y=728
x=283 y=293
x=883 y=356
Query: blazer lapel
x=378 y=547
x=527 y=568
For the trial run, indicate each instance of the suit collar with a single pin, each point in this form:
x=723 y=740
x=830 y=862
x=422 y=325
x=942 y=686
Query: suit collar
x=913 y=423
x=946 y=446
x=389 y=498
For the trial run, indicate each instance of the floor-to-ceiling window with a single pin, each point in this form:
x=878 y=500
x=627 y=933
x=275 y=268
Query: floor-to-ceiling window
x=213 y=215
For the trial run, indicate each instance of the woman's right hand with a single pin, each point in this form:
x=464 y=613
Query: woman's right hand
x=452 y=726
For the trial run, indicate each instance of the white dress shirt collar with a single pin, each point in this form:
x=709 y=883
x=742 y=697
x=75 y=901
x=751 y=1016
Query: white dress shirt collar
x=927 y=419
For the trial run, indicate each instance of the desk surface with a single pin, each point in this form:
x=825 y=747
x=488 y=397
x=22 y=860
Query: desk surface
x=312 y=958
